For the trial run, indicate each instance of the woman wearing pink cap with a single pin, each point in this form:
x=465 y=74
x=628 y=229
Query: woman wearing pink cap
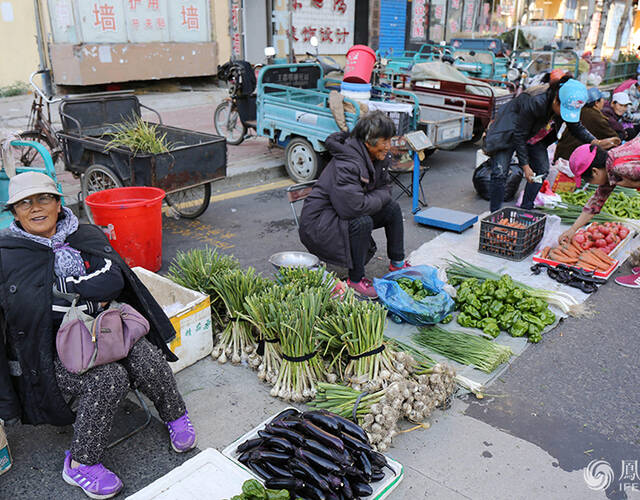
x=607 y=169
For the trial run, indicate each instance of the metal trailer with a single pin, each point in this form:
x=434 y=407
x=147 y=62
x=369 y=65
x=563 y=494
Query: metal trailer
x=194 y=159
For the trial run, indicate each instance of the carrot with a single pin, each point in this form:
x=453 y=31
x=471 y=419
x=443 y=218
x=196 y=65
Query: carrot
x=597 y=257
x=589 y=259
x=603 y=255
x=576 y=247
x=560 y=257
x=545 y=252
x=570 y=251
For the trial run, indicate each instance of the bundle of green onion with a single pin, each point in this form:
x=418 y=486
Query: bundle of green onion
x=267 y=311
x=568 y=213
x=193 y=269
x=484 y=354
x=459 y=269
x=359 y=326
x=301 y=366
x=237 y=342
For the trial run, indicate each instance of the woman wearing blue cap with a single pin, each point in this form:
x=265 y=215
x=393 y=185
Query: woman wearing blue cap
x=528 y=125
x=594 y=121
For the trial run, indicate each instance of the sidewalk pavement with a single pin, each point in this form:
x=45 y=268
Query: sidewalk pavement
x=191 y=110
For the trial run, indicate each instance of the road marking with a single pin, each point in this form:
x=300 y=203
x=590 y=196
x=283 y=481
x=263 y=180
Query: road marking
x=238 y=193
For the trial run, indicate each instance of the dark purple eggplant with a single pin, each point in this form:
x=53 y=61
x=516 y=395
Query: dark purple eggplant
x=269 y=456
x=347 y=425
x=275 y=470
x=347 y=492
x=330 y=495
x=280 y=483
x=313 y=492
x=258 y=469
x=304 y=471
x=378 y=459
x=287 y=424
x=317 y=462
x=321 y=435
x=279 y=444
x=365 y=465
x=319 y=449
x=291 y=435
x=377 y=476
x=249 y=444
x=265 y=434
x=335 y=482
x=323 y=420
x=355 y=444
x=354 y=474
x=289 y=412
x=361 y=489
x=244 y=457
x=344 y=457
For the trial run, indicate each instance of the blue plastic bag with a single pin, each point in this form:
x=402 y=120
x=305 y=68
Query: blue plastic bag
x=428 y=311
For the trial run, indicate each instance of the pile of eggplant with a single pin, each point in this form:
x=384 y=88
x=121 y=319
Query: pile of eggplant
x=315 y=455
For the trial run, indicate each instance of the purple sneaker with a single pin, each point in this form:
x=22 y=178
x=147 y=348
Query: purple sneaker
x=631 y=280
x=182 y=434
x=95 y=480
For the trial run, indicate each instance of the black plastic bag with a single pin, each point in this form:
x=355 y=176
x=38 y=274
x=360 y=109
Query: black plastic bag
x=482 y=180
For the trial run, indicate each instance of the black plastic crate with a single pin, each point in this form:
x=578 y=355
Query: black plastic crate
x=513 y=243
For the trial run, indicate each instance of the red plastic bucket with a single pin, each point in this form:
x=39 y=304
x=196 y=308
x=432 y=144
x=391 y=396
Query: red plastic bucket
x=360 y=61
x=131 y=217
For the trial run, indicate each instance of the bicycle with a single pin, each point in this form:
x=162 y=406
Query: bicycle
x=39 y=127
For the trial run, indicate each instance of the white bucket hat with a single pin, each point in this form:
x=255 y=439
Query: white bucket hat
x=27 y=184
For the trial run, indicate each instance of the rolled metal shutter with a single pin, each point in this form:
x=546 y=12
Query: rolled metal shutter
x=393 y=18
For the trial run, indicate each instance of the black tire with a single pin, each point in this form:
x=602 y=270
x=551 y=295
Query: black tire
x=97 y=178
x=301 y=161
x=29 y=156
x=228 y=124
x=190 y=203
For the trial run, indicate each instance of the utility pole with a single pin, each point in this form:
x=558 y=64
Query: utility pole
x=46 y=74
x=516 y=33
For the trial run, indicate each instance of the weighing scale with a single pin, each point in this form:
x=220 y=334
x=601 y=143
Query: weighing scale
x=442 y=218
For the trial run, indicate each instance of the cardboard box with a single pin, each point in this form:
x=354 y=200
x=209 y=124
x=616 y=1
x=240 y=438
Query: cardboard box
x=190 y=315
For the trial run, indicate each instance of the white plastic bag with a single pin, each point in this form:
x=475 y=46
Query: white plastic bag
x=552 y=231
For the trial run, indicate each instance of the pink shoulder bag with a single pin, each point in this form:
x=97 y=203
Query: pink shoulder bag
x=83 y=342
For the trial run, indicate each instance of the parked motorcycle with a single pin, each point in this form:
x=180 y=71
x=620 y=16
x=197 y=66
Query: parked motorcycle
x=235 y=116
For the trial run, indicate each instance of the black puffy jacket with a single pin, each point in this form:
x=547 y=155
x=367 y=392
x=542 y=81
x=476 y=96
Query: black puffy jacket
x=351 y=185
x=28 y=387
x=521 y=118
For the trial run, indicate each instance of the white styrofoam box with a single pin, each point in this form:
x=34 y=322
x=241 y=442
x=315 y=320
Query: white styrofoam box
x=190 y=315
x=381 y=489
x=207 y=476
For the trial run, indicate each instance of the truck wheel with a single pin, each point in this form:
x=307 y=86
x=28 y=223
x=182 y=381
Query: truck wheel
x=301 y=161
x=190 y=203
x=97 y=178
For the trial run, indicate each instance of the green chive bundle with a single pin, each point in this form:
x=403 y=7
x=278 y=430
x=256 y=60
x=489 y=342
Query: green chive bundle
x=484 y=354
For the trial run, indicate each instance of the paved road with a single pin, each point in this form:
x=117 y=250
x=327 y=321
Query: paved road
x=567 y=401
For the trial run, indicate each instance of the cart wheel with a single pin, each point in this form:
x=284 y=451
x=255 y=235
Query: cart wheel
x=228 y=124
x=97 y=178
x=29 y=156
x=190 y=203
x=302 y=161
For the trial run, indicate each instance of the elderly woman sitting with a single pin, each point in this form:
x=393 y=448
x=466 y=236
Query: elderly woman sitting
x=46 y=249
x=352 y=198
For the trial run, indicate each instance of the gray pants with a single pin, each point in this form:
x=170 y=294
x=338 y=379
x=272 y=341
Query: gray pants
x=100 y=390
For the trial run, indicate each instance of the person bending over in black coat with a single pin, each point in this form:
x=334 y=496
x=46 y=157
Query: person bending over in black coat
x=352 y=198
x=528 y=125
x=43 y=251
